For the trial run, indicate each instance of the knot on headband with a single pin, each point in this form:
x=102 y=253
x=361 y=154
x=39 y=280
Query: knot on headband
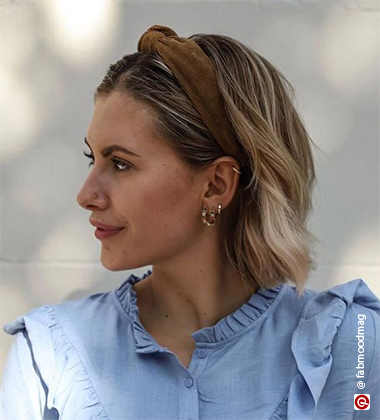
x=195 y=73
x=150 y=38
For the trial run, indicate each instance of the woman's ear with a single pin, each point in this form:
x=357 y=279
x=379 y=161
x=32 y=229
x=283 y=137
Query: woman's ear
x=220 y=182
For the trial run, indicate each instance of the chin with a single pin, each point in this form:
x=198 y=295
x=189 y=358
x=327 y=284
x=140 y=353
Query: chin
x=111 y=265
x=117 y=265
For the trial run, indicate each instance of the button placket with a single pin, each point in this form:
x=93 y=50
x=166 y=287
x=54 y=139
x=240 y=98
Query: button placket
x=189 y=393
x=189 y=399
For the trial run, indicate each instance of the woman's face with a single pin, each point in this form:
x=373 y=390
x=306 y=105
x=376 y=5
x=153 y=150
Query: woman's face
x=152 y=195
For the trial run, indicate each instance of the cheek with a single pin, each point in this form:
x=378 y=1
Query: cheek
x=171 y=205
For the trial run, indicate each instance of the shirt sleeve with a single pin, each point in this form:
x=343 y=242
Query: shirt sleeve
x=325 y=345
x=44 y=377
x=23 y=392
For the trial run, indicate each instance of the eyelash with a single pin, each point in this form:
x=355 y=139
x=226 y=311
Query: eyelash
x=115 y=161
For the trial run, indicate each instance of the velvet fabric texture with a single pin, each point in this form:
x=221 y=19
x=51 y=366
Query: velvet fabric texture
x=195 y=73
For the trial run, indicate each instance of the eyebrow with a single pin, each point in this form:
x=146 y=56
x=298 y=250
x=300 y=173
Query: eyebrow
x=114 y=148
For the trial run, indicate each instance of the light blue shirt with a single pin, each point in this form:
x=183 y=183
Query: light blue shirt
x=278 y=356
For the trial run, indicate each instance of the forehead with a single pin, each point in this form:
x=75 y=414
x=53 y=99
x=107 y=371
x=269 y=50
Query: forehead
x=118 y=118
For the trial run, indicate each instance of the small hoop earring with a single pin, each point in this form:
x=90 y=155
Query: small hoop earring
x=237 y=171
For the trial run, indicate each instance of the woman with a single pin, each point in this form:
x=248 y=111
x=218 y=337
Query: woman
x=203 y=169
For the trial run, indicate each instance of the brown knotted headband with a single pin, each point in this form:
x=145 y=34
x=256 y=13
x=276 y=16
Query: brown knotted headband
x=194 y=71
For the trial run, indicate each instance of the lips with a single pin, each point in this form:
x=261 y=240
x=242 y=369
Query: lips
x=104 y=227
x=104 y=231
x=105 y=234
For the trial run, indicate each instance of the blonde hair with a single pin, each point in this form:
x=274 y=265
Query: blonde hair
x=267 y=239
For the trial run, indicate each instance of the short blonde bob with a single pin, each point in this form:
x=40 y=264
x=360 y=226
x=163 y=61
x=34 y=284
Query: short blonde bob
x=267 y=239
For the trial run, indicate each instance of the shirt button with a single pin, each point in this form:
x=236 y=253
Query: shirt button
x=189 y=382
x=202 y=354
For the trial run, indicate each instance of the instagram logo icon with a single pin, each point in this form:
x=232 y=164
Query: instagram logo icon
x=361 y=401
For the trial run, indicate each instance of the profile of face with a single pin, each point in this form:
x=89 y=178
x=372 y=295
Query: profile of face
x=151 y=193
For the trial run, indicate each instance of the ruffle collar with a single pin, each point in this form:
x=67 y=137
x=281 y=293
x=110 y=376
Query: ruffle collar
x=227 y=327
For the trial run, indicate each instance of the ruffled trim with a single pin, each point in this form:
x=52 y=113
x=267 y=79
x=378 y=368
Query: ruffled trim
x=312 y=340
x=69 y=389
x=127 y=297
x=236 y=322
x=229 y=326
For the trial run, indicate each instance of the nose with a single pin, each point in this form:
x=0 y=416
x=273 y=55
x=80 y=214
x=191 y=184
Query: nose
x=90 y=196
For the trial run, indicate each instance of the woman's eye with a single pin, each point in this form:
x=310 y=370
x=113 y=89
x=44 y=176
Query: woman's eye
x=119 y=166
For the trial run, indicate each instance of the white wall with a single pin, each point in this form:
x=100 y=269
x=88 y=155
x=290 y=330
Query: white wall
x=54 y=53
